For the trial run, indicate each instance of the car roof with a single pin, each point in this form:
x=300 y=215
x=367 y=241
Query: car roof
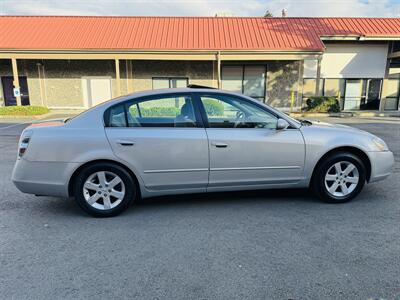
x=140 y=94
x=172 y=91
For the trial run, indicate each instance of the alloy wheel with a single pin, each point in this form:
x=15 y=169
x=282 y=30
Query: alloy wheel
x=341 y=179
x=104 y=190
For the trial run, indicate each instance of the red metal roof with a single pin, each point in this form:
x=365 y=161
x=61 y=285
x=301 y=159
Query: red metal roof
x=184 y=33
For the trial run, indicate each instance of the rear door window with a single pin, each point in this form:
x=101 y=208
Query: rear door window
x=161 y=111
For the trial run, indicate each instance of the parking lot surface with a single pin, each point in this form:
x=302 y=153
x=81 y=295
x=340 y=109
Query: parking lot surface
x=281 y=244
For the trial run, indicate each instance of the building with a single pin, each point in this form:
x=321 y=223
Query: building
x=77 y=62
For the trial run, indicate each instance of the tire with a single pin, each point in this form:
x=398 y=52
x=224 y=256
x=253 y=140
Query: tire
x=104 y=189
x=330 y=176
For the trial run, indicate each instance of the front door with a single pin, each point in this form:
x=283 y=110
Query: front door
x=246 y=150
x=352 y=97
x=8 y=90
x=162 y=139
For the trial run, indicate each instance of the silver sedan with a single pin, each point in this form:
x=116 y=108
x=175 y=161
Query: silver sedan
x=192 y=140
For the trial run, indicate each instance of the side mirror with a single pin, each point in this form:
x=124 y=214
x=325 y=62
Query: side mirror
x=282 y=124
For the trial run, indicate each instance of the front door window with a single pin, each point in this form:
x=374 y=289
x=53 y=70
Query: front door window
x=231 y=112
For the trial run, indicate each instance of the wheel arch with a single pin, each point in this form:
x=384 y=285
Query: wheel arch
x=97 y=161
x=351 y=149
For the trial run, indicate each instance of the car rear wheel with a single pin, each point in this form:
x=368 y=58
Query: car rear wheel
x=104 y=190
x=339 y=178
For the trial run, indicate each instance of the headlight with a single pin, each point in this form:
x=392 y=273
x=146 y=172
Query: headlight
x=380 y=144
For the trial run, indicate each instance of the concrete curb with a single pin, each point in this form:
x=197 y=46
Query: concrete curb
x=394 y=114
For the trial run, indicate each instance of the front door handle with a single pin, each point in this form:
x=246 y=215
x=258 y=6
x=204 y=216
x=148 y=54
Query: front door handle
x=219 y=144
x=125 y=143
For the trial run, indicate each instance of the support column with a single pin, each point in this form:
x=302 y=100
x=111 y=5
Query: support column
x=16 y=78
x=219 y=70
x=42 y=86
x=117 y=77
x=317 y=84
x=129 y=76
x=299 y=96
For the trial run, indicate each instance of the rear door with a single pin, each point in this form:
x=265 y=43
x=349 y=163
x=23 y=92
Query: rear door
x=163 y=138
x=246 y=149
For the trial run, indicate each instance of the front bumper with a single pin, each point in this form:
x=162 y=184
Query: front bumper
x=381 y=164
x=43 y=178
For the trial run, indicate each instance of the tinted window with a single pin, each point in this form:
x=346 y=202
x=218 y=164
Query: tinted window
x=167 y=111
x=117 y=116
x=230 y=112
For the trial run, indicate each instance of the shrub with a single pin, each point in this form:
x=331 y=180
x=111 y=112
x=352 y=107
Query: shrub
x=23 y=110
x=156 y=111
x=322 y=104
x=213 y=108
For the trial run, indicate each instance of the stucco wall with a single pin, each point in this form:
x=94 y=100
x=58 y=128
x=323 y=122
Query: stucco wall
x=62 y=79
x=282 y=79
x=60 y=82
x=354 y=60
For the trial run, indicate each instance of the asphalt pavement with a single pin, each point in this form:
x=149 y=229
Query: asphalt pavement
x=281 y=244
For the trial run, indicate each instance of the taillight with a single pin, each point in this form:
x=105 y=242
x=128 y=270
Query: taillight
x=23 y=146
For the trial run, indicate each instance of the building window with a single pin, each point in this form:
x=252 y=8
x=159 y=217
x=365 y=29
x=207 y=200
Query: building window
x=392 y=92
x=169 y=82
x=245 y=79
x=353 y=94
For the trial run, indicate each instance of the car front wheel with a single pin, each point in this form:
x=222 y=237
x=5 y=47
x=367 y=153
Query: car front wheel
x=339 y=178
x=104 y=190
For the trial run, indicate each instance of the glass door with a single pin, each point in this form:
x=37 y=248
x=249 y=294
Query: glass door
x=245 y=79
x=352 y=97
x=373 y=95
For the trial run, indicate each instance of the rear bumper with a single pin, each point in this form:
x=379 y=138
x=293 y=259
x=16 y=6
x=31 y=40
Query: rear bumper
x=43 y=178
x=381 y=165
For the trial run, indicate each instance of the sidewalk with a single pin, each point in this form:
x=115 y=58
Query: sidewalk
x=53 y=114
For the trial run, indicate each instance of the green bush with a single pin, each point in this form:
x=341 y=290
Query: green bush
x=155 y=111
x=23 y=110
x=322 y=104
x=213 y=108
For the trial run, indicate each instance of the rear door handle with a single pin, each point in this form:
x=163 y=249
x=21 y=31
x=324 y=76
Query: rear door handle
x=125 y=143
x=219 y=144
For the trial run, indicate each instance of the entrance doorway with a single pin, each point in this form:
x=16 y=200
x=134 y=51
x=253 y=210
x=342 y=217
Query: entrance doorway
x=8 y=90
x=352 y=96
x=96 y=90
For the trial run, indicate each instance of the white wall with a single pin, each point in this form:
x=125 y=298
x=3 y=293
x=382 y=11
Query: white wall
x=354 y=61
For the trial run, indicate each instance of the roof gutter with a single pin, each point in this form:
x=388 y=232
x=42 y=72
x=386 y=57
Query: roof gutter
x=209 y=55
x=358 y=38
